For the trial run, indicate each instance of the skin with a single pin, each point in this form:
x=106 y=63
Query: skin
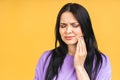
x=71 y=34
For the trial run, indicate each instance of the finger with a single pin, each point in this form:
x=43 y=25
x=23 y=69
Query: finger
x=78 y=47
x=83 y=46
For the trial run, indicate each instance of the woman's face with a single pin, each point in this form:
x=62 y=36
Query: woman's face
x=69 y=29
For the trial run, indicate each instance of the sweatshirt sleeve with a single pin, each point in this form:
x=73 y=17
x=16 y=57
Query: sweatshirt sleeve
x=41 y=67
x=105 y=71
x=39 y=70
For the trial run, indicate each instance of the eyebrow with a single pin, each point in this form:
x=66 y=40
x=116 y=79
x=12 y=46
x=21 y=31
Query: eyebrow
x=70 y=23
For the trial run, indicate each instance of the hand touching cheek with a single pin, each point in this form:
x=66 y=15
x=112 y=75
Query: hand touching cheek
x=80 y=54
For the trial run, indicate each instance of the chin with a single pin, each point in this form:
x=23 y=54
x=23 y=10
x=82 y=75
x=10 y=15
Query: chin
x=71 y=43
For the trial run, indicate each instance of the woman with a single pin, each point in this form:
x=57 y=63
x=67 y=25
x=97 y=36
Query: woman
x=77 y=57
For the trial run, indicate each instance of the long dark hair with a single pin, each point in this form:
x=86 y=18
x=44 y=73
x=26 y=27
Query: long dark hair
x=93 y=60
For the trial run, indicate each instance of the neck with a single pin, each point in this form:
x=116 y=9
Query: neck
x=71 y=49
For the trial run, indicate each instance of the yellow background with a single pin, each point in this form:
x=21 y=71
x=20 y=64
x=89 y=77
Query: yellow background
x=27 y=30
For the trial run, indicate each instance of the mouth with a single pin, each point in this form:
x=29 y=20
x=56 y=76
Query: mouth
x=69 y=37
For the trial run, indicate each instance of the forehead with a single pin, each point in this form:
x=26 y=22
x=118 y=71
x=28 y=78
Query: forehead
x=67 y=17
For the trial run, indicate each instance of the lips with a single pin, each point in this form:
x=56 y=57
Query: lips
x=68 y=37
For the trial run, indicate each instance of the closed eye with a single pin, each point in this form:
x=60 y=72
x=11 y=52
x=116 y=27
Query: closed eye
x=75 y=25
x=62 y=25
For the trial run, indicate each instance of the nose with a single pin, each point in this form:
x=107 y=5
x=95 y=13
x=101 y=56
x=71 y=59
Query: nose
x=69 y=29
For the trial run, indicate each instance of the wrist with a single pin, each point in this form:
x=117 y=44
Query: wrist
x=79 y=68
x=81 y=73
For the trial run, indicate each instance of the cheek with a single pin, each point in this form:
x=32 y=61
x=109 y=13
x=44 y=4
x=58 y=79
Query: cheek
x=79 y=33
x=61 y=32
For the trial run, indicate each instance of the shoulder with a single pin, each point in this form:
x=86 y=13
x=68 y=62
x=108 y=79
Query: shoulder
x=44 y=58
x=45 y=55
x=105 y=72
x=42 y=65
x=105 y=61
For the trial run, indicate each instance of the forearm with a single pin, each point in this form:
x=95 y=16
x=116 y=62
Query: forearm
x=82 y=74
